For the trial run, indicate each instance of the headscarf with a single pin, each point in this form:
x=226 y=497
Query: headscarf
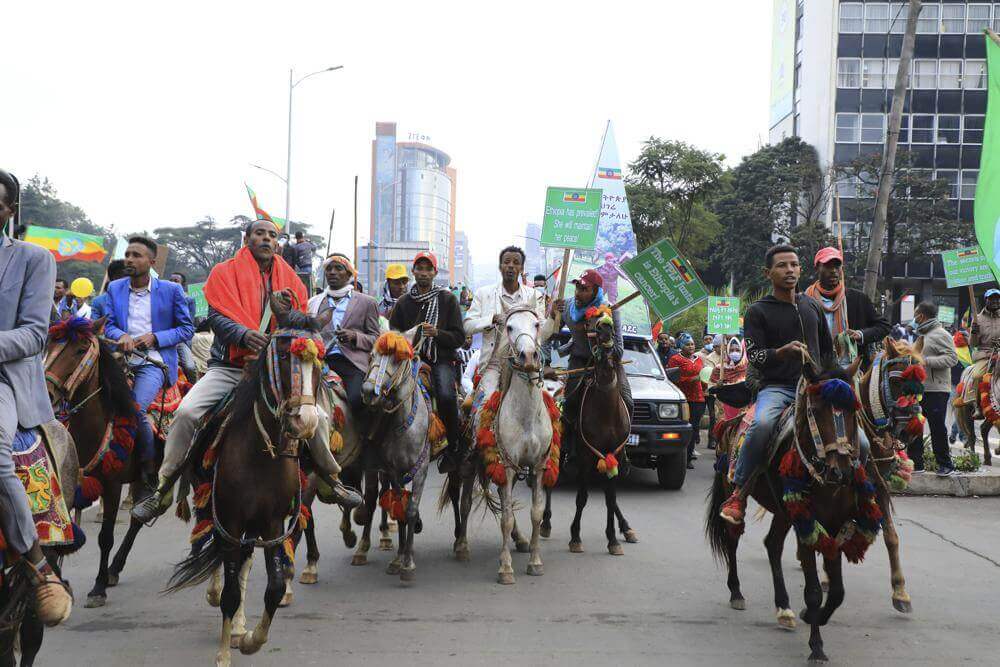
x=838 y=307
x=733 y=372
x=340 y=258
x=575 y=314
x=683 y=339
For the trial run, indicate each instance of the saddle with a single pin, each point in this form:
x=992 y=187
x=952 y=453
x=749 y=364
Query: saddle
x=784 y=430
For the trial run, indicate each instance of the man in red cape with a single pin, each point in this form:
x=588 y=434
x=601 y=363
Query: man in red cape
x=237 y=292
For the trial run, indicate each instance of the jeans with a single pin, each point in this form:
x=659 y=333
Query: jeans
x=185 y=359
x=935 y=406
x=352 y=377
x=771 y=402
x=697 y=412
x=148 y=381
x=444 y=377
x=15 y=512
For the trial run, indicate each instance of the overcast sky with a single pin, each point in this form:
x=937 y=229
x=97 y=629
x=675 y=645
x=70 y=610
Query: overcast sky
x=148 y=117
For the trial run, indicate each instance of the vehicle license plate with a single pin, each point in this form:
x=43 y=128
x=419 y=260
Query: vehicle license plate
x=633 y=440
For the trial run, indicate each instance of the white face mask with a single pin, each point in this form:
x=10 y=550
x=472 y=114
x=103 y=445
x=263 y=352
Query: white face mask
x=735 y=357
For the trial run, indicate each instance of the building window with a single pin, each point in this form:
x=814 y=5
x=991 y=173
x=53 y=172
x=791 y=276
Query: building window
x=969 y=178
x=877 y=17
x=975 y=75
x=950 y=74
x=847 y=187
x=953 y=18
x=898 y=13
x=972 y=129
x=873 y=73
x=996 y=17
x=891 y=70
x=925 y=74
x=849 y=73
x=927 y=23
x=872 y=128
x=904 y=129
x=922 y=129
x=979 y=19
x=852 y=17
x=951 y=178
x=847 y=128
x=949 y=129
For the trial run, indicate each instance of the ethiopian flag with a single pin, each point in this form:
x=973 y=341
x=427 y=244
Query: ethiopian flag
x=987 y=209
x=66 y=245
x=260 y=213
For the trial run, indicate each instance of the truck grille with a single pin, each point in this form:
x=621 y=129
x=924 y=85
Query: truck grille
x=643 y=413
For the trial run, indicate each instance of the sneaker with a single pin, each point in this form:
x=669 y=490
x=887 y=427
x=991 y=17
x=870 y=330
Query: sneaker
x=734 y=509
x=711 y=444
x=918 y=471
x=946 y=472
x=695 y=454
x=53 y=603
x=690 y=464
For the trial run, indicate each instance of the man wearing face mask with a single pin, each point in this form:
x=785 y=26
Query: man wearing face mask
x=985 y=334
x=938 y=350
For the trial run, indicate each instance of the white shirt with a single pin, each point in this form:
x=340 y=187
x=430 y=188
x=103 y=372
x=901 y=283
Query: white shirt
x=140 y=320
x=490 y=301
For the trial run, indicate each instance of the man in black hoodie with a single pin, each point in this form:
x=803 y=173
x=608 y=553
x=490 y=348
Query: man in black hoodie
x=779 y=329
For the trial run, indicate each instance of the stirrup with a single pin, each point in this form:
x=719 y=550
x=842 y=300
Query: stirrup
x=149 y=509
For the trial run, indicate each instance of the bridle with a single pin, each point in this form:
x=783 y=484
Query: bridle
x=62 y=391
x=518 y=369
x=815 y=462
x=303 y=362
x=884 y=409
x=384 y=391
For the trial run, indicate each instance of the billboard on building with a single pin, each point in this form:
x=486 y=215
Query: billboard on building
x=782 y=60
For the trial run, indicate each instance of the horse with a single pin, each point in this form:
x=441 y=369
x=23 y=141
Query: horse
x=988 y=396
x=518 y=437
x=401 y=443
x=827 y=497
x=250 y=481
x=90 y=393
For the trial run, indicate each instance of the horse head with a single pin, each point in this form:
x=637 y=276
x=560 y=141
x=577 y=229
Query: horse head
x=71 y=356
x=522 y=326
x=293 y=367
x=893 y=387
x=391 y=363
x=829 y=418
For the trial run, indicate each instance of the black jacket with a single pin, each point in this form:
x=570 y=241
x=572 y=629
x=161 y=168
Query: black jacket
x=769 y=324
x=451 y=334
x=228 y=332
x=862 y=316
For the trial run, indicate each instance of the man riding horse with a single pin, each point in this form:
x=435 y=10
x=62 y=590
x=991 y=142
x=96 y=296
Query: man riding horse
x=241 y=293
x=985 y=334
x=27 y=273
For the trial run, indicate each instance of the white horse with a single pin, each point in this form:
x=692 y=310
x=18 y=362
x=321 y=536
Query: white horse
x=522 y=428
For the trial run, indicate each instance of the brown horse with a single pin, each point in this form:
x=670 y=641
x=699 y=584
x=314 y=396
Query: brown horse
x=90 y=393
x=253 y=484
x=988 y=397
x=814 y=483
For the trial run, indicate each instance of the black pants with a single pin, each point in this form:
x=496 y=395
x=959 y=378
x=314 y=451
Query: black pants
x=444 y=378
x=710 y=407
x=353 y=379
x=697 y=412
x=935 y=407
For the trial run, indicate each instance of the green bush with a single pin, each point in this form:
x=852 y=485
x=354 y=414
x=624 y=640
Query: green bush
x=967 y=461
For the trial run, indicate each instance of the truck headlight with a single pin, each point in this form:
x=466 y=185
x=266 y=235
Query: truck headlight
x=668 y=411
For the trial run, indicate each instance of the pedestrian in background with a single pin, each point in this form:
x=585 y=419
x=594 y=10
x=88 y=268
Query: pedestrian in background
x=689 y=382
x=961 y=342
x=939 y=357
x=709 y=355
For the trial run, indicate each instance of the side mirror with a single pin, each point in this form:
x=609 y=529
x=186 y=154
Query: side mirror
x=672 y=373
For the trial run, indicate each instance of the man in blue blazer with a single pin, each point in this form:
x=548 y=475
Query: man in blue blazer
x=151 y=316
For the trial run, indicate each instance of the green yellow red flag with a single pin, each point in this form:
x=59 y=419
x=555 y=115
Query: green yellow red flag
x=260 y=213
x=66 y=245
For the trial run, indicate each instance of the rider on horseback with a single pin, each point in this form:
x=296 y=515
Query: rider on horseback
x=27 y=274
x=985 y=334
x=238 y=292
x=780 y=330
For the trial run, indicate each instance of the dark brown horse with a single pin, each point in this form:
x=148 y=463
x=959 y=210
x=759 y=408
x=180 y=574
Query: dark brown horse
x=813 y=482
x=253 y=485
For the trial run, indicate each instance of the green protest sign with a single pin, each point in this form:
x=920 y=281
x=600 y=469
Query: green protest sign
x=946 y=315
x=667 y=280
x=966 y=266
x=196 y=291
x=723 y=315
x=571 y=218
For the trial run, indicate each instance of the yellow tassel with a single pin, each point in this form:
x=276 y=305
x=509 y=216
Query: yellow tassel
x=602 y=466
x=336 y=442
x=490 y=455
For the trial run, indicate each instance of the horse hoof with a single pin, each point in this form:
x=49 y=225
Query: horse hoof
x=505 y=578
x=536 y=570
x=902 y=606
x=385 y=544
x=393 y=568
x=786 y=619
x=213 y=597
x=359 y=559
x=247 y=645
x=286 y=599
x=236 y=638
x=408 y=576
x=576 y=547
x=545 y=531
x=631 y=537
x=463 y=555
x=112 y=579
x=818 y=656
x=350 y=540
x=738 y=604
x=222 y=660
x=616 y=550
x=522 y=547
x=95 y=601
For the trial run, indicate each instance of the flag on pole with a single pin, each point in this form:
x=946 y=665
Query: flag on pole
x=987 y=206
x=260 y=213
x=66 y=245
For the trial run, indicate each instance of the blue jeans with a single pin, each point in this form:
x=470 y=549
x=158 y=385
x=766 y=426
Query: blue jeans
x=148 y=381
x=771 y=402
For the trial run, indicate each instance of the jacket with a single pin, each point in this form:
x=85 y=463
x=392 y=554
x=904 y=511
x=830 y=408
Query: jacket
x=862 y=316
x=487 y=302
x=579 y=345
x=27 y=274
x=939 y=357
x=168 y=311
x=689 y=380
x=361 y=316
x=770 y=324
x=451 y=335
x=987 y=336
x=227 y=332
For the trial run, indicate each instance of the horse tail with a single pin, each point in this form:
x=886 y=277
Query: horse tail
x=716 y=529
x=196 y=568
x=444 y=498
x=486 y=494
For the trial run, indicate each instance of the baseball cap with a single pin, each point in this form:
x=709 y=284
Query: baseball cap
x=992 y=292
x=828 y=254
x=590 y=278
x=429 y=256
x=395 y=272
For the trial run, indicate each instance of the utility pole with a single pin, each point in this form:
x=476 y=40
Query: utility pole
x=885 y=181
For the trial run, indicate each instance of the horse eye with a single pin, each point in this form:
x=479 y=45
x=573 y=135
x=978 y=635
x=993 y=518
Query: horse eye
x=80 y=352
x=510 y=328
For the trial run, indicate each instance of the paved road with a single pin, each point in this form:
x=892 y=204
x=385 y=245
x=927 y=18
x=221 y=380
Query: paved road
x=664 y=601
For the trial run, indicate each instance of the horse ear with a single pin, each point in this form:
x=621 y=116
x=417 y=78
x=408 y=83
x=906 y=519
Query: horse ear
x=98 y=325
x=852 y=370
x=889 y=345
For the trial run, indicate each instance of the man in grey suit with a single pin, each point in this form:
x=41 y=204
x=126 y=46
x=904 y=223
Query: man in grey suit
x=27 y=276
x=353 y=327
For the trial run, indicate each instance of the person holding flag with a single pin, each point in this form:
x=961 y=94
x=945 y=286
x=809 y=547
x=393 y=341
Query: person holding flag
x=985 y=332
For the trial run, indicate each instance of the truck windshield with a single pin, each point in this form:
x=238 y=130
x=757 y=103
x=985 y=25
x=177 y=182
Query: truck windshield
x=643 y=361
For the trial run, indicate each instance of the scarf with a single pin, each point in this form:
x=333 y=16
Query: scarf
x=429 y=304
x=734 y=372
x=388 y=302
x=924 y=329
x=838 y=308
x=575 y=314
x=235 y=289
x=340 y=293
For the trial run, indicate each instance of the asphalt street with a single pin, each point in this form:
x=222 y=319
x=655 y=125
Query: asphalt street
x=663 y=602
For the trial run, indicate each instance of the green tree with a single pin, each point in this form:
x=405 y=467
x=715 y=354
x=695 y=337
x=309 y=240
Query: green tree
x=195 y=249
x=670 y=186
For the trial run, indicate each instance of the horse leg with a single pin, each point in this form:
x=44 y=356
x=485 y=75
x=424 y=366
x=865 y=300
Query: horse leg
x=462 y=543
x=575 y=544
x=251 y=642
x=985 y=430
x=310 y=574
x=505 y=575
x=535 y=567
x=900 y=598
x=239 y=625
x=230 y=602
x=118 y=564
x=774 y=542
x=454 y=495
x=98 y=597
x=408 y=571
x=31 y=633
x=626 y=530
x=385 y=540
x=835 y=597
x=213 y=595
x=371 y=498
x=736 y=599
x=520 y=543
x=397 y=563
x=814 y=598
x=611 y=502
x=547 y=515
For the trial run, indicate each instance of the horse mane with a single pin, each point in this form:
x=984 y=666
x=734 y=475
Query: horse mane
x=116 y=397
x=246 y=391
x=903 y=349
x=395 y=344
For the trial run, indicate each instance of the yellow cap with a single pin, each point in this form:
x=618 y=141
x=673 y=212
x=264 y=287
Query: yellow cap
x=395 y=272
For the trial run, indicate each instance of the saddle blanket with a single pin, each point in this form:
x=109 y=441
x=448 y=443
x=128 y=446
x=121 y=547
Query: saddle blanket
x=739 y=437
x=35 y=468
